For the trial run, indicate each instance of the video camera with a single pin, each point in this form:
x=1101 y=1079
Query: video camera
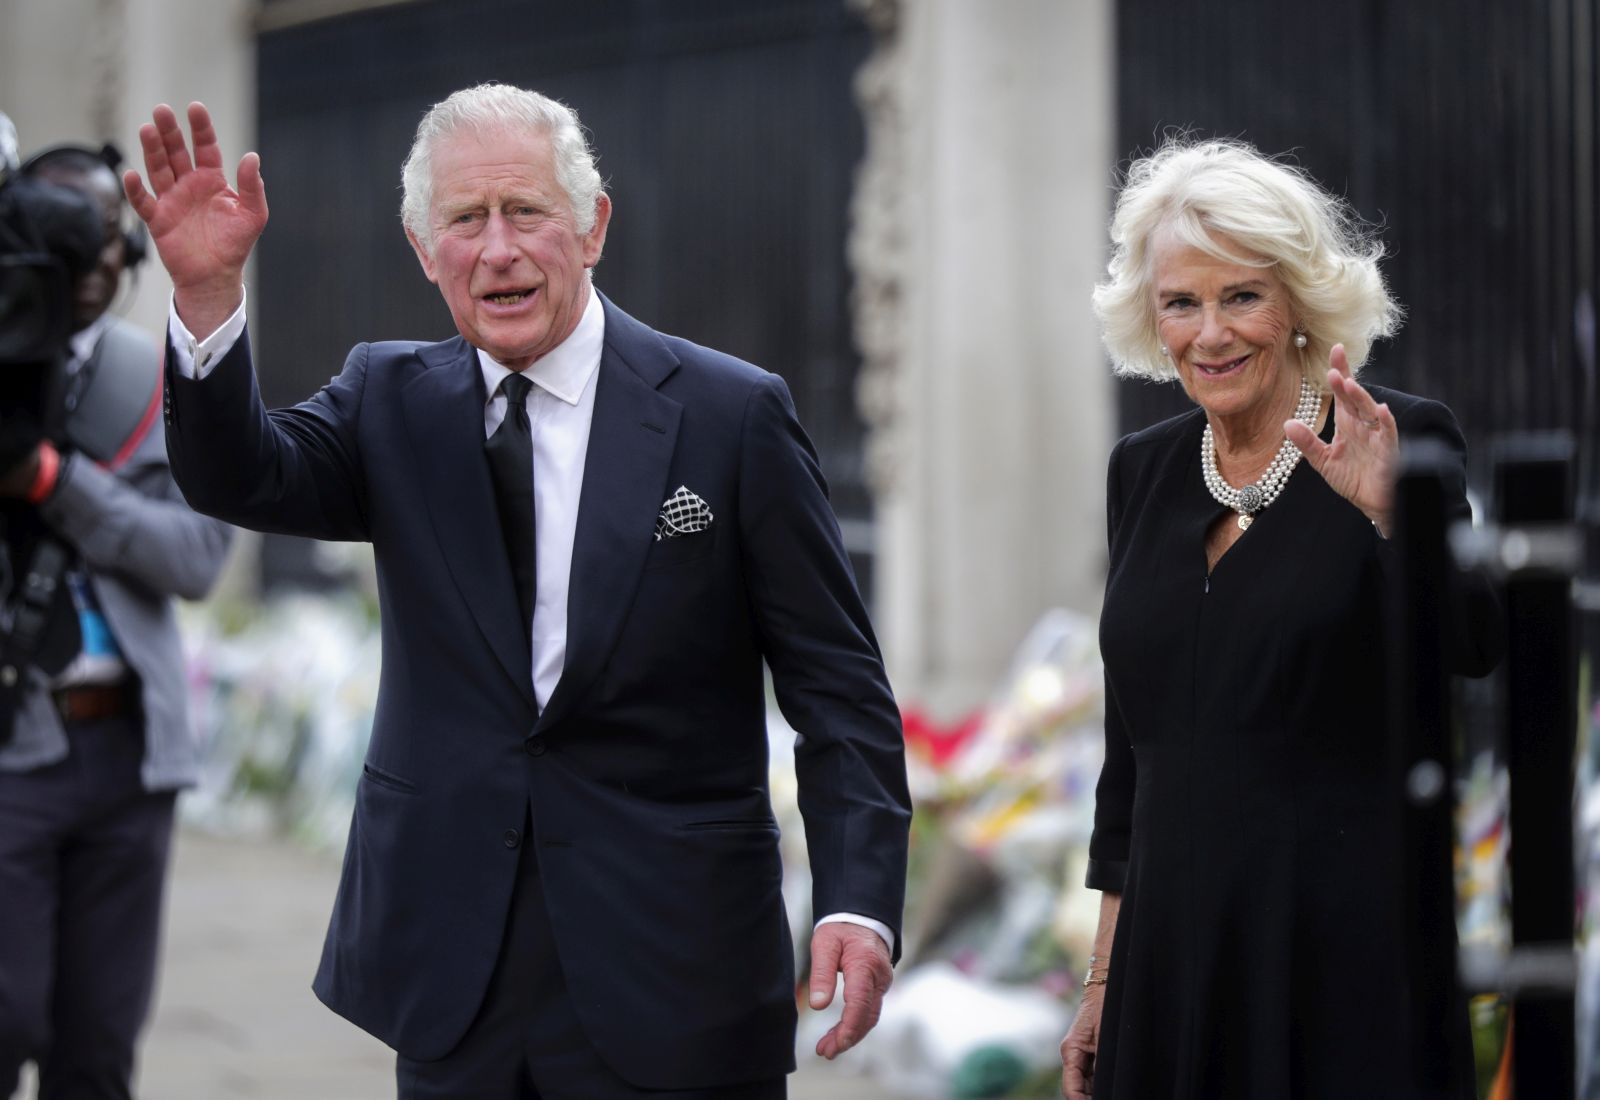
x=50 y=236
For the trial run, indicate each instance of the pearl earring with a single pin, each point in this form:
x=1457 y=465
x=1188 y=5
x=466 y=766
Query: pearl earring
x=1299 y=339
x=1165 y=354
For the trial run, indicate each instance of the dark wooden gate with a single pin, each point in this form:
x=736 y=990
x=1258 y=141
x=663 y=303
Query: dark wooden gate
x=1465 y=128
x=726 y=132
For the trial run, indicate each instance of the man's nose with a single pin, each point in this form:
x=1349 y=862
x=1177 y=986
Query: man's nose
x=499 y=248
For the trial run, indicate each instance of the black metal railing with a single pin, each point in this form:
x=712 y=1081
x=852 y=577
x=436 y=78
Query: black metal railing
x=1533 y=550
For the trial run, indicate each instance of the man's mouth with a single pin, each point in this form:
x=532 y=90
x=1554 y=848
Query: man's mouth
x=1212 y=370
x=508 y=297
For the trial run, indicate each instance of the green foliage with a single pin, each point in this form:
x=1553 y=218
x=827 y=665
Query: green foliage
x=1489 y=1018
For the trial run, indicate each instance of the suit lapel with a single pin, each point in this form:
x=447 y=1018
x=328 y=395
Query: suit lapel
x=444 y=418
x=631 y=441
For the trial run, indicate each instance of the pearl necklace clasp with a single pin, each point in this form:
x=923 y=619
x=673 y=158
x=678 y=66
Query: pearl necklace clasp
x=1251 y=499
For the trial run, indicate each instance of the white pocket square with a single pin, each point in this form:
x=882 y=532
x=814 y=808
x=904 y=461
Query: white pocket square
x=683 y=513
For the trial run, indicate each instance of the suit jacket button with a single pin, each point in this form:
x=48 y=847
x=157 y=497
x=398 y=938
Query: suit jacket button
x=534 y=746
x=512 y=838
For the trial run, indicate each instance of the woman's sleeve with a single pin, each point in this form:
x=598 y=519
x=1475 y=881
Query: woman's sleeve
x=1113 y=795
x=1477 y=631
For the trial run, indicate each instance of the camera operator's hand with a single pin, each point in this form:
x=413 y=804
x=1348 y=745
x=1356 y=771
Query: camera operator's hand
x=202 y=228
x=18 y=481
x=32 y=477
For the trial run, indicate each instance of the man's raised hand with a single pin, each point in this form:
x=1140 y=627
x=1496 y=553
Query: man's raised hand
x=202 y=228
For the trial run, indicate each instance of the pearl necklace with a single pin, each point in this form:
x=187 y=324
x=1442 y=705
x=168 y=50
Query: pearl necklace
x=1253 y=498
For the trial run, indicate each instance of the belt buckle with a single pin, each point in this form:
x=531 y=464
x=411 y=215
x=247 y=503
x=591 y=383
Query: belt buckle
x=89 y=702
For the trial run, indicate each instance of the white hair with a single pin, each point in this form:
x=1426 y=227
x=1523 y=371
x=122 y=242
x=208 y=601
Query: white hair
x=485 y=108
x=1229 y=201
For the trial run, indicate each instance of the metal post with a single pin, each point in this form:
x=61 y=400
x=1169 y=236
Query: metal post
x=1424 y=771
x=1534 y=503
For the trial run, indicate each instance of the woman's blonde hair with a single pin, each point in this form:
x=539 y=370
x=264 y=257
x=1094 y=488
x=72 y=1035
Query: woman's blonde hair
x=1226 y=199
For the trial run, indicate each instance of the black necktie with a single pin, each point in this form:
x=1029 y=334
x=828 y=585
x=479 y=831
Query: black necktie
x=510 y=451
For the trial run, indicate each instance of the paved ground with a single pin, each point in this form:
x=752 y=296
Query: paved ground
x=236 y=1017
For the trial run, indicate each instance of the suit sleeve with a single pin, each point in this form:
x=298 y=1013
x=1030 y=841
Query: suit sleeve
x=1113 y=794
x=826 y=668
x=294 y=471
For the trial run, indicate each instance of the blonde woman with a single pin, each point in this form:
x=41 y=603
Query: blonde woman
x=1244 y=844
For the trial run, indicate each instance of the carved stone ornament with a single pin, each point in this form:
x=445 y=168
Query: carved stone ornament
x=876 y=249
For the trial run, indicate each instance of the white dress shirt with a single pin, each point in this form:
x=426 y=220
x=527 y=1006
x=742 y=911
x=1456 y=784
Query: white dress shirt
x=560 y=409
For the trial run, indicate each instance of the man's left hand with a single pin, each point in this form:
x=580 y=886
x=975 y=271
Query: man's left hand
x=862 y=957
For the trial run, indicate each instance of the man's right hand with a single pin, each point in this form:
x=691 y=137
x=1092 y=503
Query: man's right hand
x=202 y=228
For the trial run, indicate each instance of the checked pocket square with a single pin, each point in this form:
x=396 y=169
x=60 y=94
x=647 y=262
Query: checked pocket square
x=683 y=513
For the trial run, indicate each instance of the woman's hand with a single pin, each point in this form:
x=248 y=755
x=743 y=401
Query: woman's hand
x=1361 y=462
x=1079 y=1047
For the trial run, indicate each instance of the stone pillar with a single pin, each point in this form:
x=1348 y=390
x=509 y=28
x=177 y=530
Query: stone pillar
x=979 y=231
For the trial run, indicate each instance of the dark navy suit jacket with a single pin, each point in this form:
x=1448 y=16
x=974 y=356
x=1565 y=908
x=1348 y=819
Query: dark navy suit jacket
x=646 y=775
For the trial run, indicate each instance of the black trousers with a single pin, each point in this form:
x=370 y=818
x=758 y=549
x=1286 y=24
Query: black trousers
x=83 y=857
x=527 y=1042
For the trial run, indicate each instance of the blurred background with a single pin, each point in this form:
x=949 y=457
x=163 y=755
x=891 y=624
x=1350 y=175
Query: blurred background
x=900 y=206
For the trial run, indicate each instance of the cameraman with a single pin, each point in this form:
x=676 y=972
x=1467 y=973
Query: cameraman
x=97 y=753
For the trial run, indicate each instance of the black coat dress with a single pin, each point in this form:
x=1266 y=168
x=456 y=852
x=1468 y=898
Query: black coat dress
x=1244 y=810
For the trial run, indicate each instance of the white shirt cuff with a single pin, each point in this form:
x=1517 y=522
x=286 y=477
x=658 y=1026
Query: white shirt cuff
x=194 y=358
x=866 y=922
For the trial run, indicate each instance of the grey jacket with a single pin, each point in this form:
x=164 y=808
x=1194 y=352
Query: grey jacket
x=141 y=545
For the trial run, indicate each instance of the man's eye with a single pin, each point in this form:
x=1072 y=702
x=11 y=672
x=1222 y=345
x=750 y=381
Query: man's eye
x=463 y=218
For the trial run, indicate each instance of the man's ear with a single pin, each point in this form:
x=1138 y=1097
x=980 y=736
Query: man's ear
x=594 y=242
x=424 y=257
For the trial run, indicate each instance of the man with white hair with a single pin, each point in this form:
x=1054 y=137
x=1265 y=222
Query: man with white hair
x=562 y=879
